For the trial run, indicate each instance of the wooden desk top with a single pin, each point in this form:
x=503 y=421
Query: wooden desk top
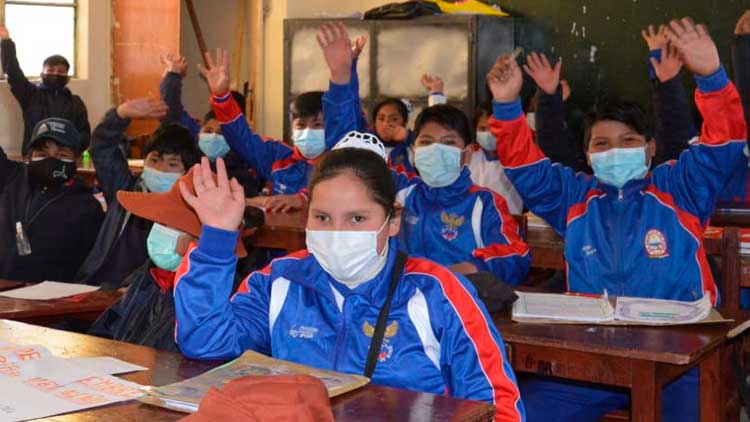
x=369 y=403
x=37 y=310
x=676 y=345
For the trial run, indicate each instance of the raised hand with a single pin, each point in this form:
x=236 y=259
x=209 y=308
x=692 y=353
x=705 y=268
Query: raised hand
x=743 y=25
x=432 y=83
x=505 y=79
x=358 y=46
x=217 y=73
x=219 y=202
x=695 y=45
x=174 y=63
x=670 y=64
x=546 y=77
x=142 y=108
x=655 y=40
x=394 y=133
x=4 y=34
x=338 y=51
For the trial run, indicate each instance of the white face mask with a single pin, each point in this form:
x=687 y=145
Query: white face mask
x=350 y=257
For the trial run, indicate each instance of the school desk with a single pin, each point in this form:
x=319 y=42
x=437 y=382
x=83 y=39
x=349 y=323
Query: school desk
x=370 y=403
x=48 y=312
x=641 y=359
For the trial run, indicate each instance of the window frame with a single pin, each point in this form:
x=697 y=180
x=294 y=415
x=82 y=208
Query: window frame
x=72 y=5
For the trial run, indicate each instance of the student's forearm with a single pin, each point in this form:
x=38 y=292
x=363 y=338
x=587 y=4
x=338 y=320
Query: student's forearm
x=341 y=113
x=111 y=164
x=674 y=121
x=20 y=86
x=170 y=89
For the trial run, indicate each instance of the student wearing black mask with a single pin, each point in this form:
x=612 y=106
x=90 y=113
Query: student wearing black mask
x=49 y=219
x=50 y=98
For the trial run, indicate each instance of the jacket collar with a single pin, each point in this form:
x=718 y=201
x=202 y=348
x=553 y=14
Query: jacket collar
x=448 y=194
x=64 y=90
x=631 y=188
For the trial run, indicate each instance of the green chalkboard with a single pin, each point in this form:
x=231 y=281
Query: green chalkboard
x=600 y=42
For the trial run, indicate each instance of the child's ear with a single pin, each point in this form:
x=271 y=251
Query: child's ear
x=650 y=148
x=394 y=225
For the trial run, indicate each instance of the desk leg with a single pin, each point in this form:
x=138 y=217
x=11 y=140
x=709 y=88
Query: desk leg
x=710 y=367
x=645 y=404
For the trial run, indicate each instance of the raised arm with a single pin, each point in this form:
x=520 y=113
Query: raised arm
x=170 y=88
x=435 y=89
x=695 y=180
x=109 y=159
x=546 y=190
x=342 y=111
x=257 y=152
x=21 y=88
x=210 y=324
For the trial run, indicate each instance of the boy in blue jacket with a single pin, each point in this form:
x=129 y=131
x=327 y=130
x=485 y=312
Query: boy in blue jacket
x=628 y=231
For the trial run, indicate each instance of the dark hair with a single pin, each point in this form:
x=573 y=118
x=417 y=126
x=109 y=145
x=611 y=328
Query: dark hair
x=625 y=112
x=173 y=138
x=307 y=104
x=400 y=107
x=368 y=166
x=484 y=109
x=448 y=117
x=55 y=61
x=209 y=116
x=240 y=99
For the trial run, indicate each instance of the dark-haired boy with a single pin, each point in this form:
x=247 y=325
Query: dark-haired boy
x=51 y=98
x=171 y=151
x=628 y=231
x=49 y=220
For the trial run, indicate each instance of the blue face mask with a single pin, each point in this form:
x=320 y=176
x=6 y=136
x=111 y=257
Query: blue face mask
x=213 y=145
x=486 y=140
x=619 y=165
x=158 y=181
x=161 y=245
x=439 y=165
x=311 y=142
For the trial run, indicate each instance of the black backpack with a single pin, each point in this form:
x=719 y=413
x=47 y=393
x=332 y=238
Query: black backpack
x=405 y=10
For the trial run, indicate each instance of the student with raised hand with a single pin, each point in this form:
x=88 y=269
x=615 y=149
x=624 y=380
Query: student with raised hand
x=169 y=153
x=627 y=231
x=207 y=132
x=481 y=158
x=342 y=110
x=551 y=131
x=674 y=126
x=49 y=220
x=320 y=306
x=51 y=98
x=448 y=218
x=287 y=168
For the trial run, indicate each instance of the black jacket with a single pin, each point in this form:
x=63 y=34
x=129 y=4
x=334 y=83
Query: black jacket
x=39 y=102
x=121 y=245
x=61 y=224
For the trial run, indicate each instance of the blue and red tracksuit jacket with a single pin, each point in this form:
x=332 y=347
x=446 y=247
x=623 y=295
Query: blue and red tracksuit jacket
x=439 y=338
x=342 y=113
x=463 y=222
x=284 y=166
x=644 y=239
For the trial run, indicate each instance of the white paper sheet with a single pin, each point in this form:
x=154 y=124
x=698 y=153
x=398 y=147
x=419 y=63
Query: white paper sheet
x=48 y=290
x=659 y=311
x=562 y=307
x=68 y=370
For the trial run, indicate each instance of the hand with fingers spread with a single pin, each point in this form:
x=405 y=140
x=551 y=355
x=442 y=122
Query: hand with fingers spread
x=694 y=44
x=174 y=63
x=4 y=34
x=358 y=45
x=743 y=25
x=394 y=133
x=338 y=51
x=655 y=40
x=670 y=64
x=283 y=203
x=505 y=79
x=220 y=202
x=432 y=83
x=546 y=77
x=217 y=73
x=142 y=109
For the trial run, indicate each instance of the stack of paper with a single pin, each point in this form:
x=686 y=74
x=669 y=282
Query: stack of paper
x=48 y=290
x=34 y=384
x=185 y=396
x=564 y=308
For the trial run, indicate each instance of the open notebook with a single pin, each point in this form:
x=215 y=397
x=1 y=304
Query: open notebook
x=553 y=308
x=185 y=396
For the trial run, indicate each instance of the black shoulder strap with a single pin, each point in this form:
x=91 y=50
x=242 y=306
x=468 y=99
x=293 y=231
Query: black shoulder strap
x=377 y=337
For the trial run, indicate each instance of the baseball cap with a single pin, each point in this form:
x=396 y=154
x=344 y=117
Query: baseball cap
x=59 y=130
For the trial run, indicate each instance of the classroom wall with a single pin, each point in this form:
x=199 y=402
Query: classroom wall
x=92 y=84
x=600 y=41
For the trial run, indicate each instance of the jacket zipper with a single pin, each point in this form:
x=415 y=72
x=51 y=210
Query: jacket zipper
x=618 y=246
